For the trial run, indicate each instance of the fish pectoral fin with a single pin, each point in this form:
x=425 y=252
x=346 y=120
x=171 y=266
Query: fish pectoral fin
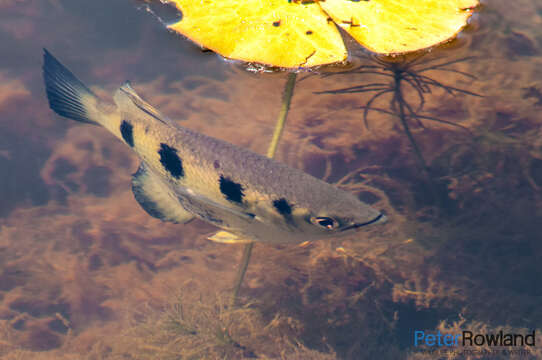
x=228 y=238
x=212 y=204
x=156 y=198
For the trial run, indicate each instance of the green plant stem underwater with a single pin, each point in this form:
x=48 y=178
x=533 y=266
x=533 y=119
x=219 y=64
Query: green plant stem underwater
x=271 y=151
x=406 y=74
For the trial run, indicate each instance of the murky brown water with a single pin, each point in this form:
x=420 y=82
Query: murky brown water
x=86 y=274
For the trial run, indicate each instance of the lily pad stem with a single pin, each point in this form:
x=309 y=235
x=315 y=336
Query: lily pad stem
x=286 y=100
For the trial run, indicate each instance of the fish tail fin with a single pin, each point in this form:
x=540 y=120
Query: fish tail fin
x=67 y=95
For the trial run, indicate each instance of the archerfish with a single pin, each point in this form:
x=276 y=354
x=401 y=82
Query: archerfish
x=185 y=174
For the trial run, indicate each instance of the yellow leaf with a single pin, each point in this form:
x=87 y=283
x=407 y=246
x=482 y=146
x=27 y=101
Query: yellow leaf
x=399 y=26
x=295 y=33
x=272 y=32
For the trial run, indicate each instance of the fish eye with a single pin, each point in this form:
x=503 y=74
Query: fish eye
x=325 y=222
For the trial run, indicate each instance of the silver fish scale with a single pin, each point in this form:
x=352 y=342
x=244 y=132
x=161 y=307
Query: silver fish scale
x=260 y=173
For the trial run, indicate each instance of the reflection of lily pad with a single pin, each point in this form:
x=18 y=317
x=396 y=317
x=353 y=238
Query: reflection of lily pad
x=304 y=33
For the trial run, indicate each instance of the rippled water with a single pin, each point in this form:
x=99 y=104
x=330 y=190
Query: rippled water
x=86 y=274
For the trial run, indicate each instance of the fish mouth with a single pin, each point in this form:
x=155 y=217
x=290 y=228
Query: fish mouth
x=381 y=218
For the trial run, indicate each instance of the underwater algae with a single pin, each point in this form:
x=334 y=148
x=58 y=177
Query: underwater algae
x=131 y=264
x=406 y=75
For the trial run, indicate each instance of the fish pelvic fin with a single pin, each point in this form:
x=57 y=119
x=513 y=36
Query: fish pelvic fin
x=225 y=237
x=156 y=199
x=67 y=95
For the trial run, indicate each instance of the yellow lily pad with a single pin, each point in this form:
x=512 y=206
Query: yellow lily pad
x=272 y=32
x=303 y=33
x=399 y=26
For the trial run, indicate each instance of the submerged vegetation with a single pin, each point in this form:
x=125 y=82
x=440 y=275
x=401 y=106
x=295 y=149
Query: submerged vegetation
x=192 y=327
x=406 y=75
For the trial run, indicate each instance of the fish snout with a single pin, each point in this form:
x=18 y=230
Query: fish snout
x=381 y=219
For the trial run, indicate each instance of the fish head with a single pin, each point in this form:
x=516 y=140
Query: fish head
x=328 y=214
x=340 y=218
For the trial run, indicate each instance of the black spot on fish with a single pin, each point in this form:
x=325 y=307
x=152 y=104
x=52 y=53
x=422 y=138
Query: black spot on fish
x=231 y=190
x=283 y=207
x=276 y=23
x=309 y=32
x=127 y=132
x=171 y=161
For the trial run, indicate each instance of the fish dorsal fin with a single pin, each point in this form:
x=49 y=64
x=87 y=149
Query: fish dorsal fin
x=126 y=92
x=156 y=198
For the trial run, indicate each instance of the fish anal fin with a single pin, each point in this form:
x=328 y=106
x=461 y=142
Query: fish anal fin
x=225 y=237
x=156 y=198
